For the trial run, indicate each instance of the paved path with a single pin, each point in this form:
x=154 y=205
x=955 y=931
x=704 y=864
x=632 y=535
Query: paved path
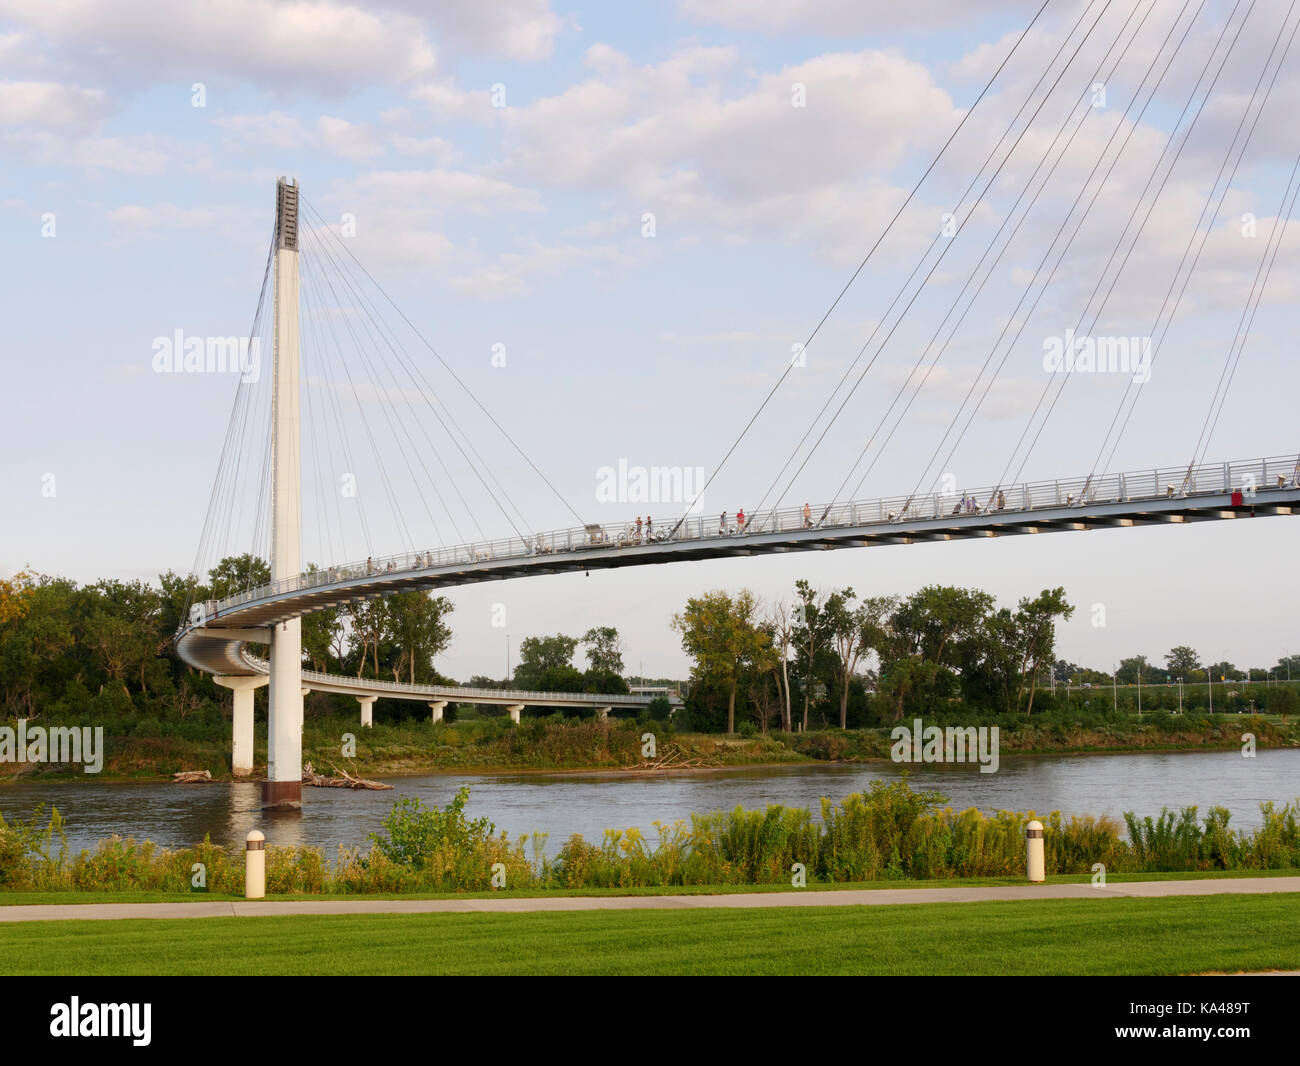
x=806 y=898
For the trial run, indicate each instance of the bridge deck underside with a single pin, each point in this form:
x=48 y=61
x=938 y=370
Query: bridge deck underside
x=208 y=649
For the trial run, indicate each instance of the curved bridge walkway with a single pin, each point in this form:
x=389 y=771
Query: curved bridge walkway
x=214 y=638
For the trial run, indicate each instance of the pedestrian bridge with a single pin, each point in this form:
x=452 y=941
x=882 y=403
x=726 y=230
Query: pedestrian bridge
x=217 y=631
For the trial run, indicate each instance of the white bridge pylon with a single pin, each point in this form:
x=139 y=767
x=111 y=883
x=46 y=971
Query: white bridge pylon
x=282 y=672
x=283 y=785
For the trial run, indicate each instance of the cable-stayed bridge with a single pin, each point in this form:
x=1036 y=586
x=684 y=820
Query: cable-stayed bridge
x=338 y=349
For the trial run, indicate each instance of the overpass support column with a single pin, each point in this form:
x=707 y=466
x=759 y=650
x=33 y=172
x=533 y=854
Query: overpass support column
x=367 y=710
x=241 y=742
x=602 y=713
x=515 y=710
x=437 y=707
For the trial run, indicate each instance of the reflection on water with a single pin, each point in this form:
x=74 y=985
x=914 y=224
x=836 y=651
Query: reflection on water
x=562 y=804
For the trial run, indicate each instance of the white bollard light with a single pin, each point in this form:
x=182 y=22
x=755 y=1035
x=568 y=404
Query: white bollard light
x=1035 y=865
x=255 y=866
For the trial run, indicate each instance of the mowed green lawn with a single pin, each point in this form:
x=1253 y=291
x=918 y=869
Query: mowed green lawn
x=1104 y=936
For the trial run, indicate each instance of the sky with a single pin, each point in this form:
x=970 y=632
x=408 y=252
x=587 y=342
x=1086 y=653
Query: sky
x=614 y=225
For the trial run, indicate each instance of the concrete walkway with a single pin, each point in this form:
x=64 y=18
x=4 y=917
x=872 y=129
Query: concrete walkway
x=805 y=898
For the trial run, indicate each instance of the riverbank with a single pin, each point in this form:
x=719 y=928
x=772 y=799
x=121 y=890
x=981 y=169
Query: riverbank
x=887 y=833
x=405 y=748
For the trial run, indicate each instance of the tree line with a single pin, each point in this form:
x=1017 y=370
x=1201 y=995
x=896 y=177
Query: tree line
x=833 y=658
x=821 y=658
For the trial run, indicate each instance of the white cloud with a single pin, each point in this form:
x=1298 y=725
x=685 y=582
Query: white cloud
x=47 y=104
x=430 y=193
x=672 y=141
x=346 y=139
x=285 y=132
x=511 y=273
x=321 y=44
x=136 y=155
x=443 y=152
x=516 y=29
x=840 y=17
x=169 y=216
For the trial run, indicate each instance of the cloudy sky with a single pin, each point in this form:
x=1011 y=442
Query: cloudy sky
x=613 y=224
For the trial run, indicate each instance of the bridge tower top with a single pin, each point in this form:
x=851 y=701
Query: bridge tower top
x=286 y=214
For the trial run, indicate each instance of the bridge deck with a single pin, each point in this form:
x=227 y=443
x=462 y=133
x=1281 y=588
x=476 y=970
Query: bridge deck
x=1065 y=506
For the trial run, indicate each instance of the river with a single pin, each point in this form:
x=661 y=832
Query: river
x=589 y=803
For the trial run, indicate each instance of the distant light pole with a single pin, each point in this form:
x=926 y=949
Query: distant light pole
x=507 y=660
x=1180 y=695
x=1209 y=680
x=1139 y=689
x=1114 y=688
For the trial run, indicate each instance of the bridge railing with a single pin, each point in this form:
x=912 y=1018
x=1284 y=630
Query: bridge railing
x=463 y=693
x=1247 y=476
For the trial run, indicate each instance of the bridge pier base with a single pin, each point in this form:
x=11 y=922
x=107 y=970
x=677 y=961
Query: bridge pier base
x=437 y=707
x=515 y=709
x=602 y=713
x=367 y=711
x=241 y=739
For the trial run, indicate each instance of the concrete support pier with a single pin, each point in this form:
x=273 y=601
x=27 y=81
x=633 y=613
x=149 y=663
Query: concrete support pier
x=241 y=741
x=602 y=713
x=437 y=707
x=367 y=710
x=515 y=710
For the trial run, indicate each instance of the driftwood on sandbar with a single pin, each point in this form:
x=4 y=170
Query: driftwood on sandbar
x=669 y=760
x=191 y=777
x=344 y=780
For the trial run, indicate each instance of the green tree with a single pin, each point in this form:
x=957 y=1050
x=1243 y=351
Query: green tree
x=1035 y=621
x=235 y=573
x=1223 y=671
x=366 y=621
x=811 y=635
x=780 y=624
x=540 y=654
x=415 y=623
x=722 y=635
x=1134 y=668
x=855 y=631
x=604 y=650
x=1182 y=661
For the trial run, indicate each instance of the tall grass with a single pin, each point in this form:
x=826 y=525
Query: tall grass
x=888 y=832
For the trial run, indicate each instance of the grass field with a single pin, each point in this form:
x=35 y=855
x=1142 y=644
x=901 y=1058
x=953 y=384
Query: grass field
x=1105 y=936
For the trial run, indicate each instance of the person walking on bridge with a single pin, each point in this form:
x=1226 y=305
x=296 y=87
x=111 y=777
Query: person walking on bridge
x=638 y=529
x=807 y=516
x=740 y=521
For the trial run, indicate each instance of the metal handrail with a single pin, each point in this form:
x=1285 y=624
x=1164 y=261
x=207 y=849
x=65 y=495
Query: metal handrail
x=1249 y=476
